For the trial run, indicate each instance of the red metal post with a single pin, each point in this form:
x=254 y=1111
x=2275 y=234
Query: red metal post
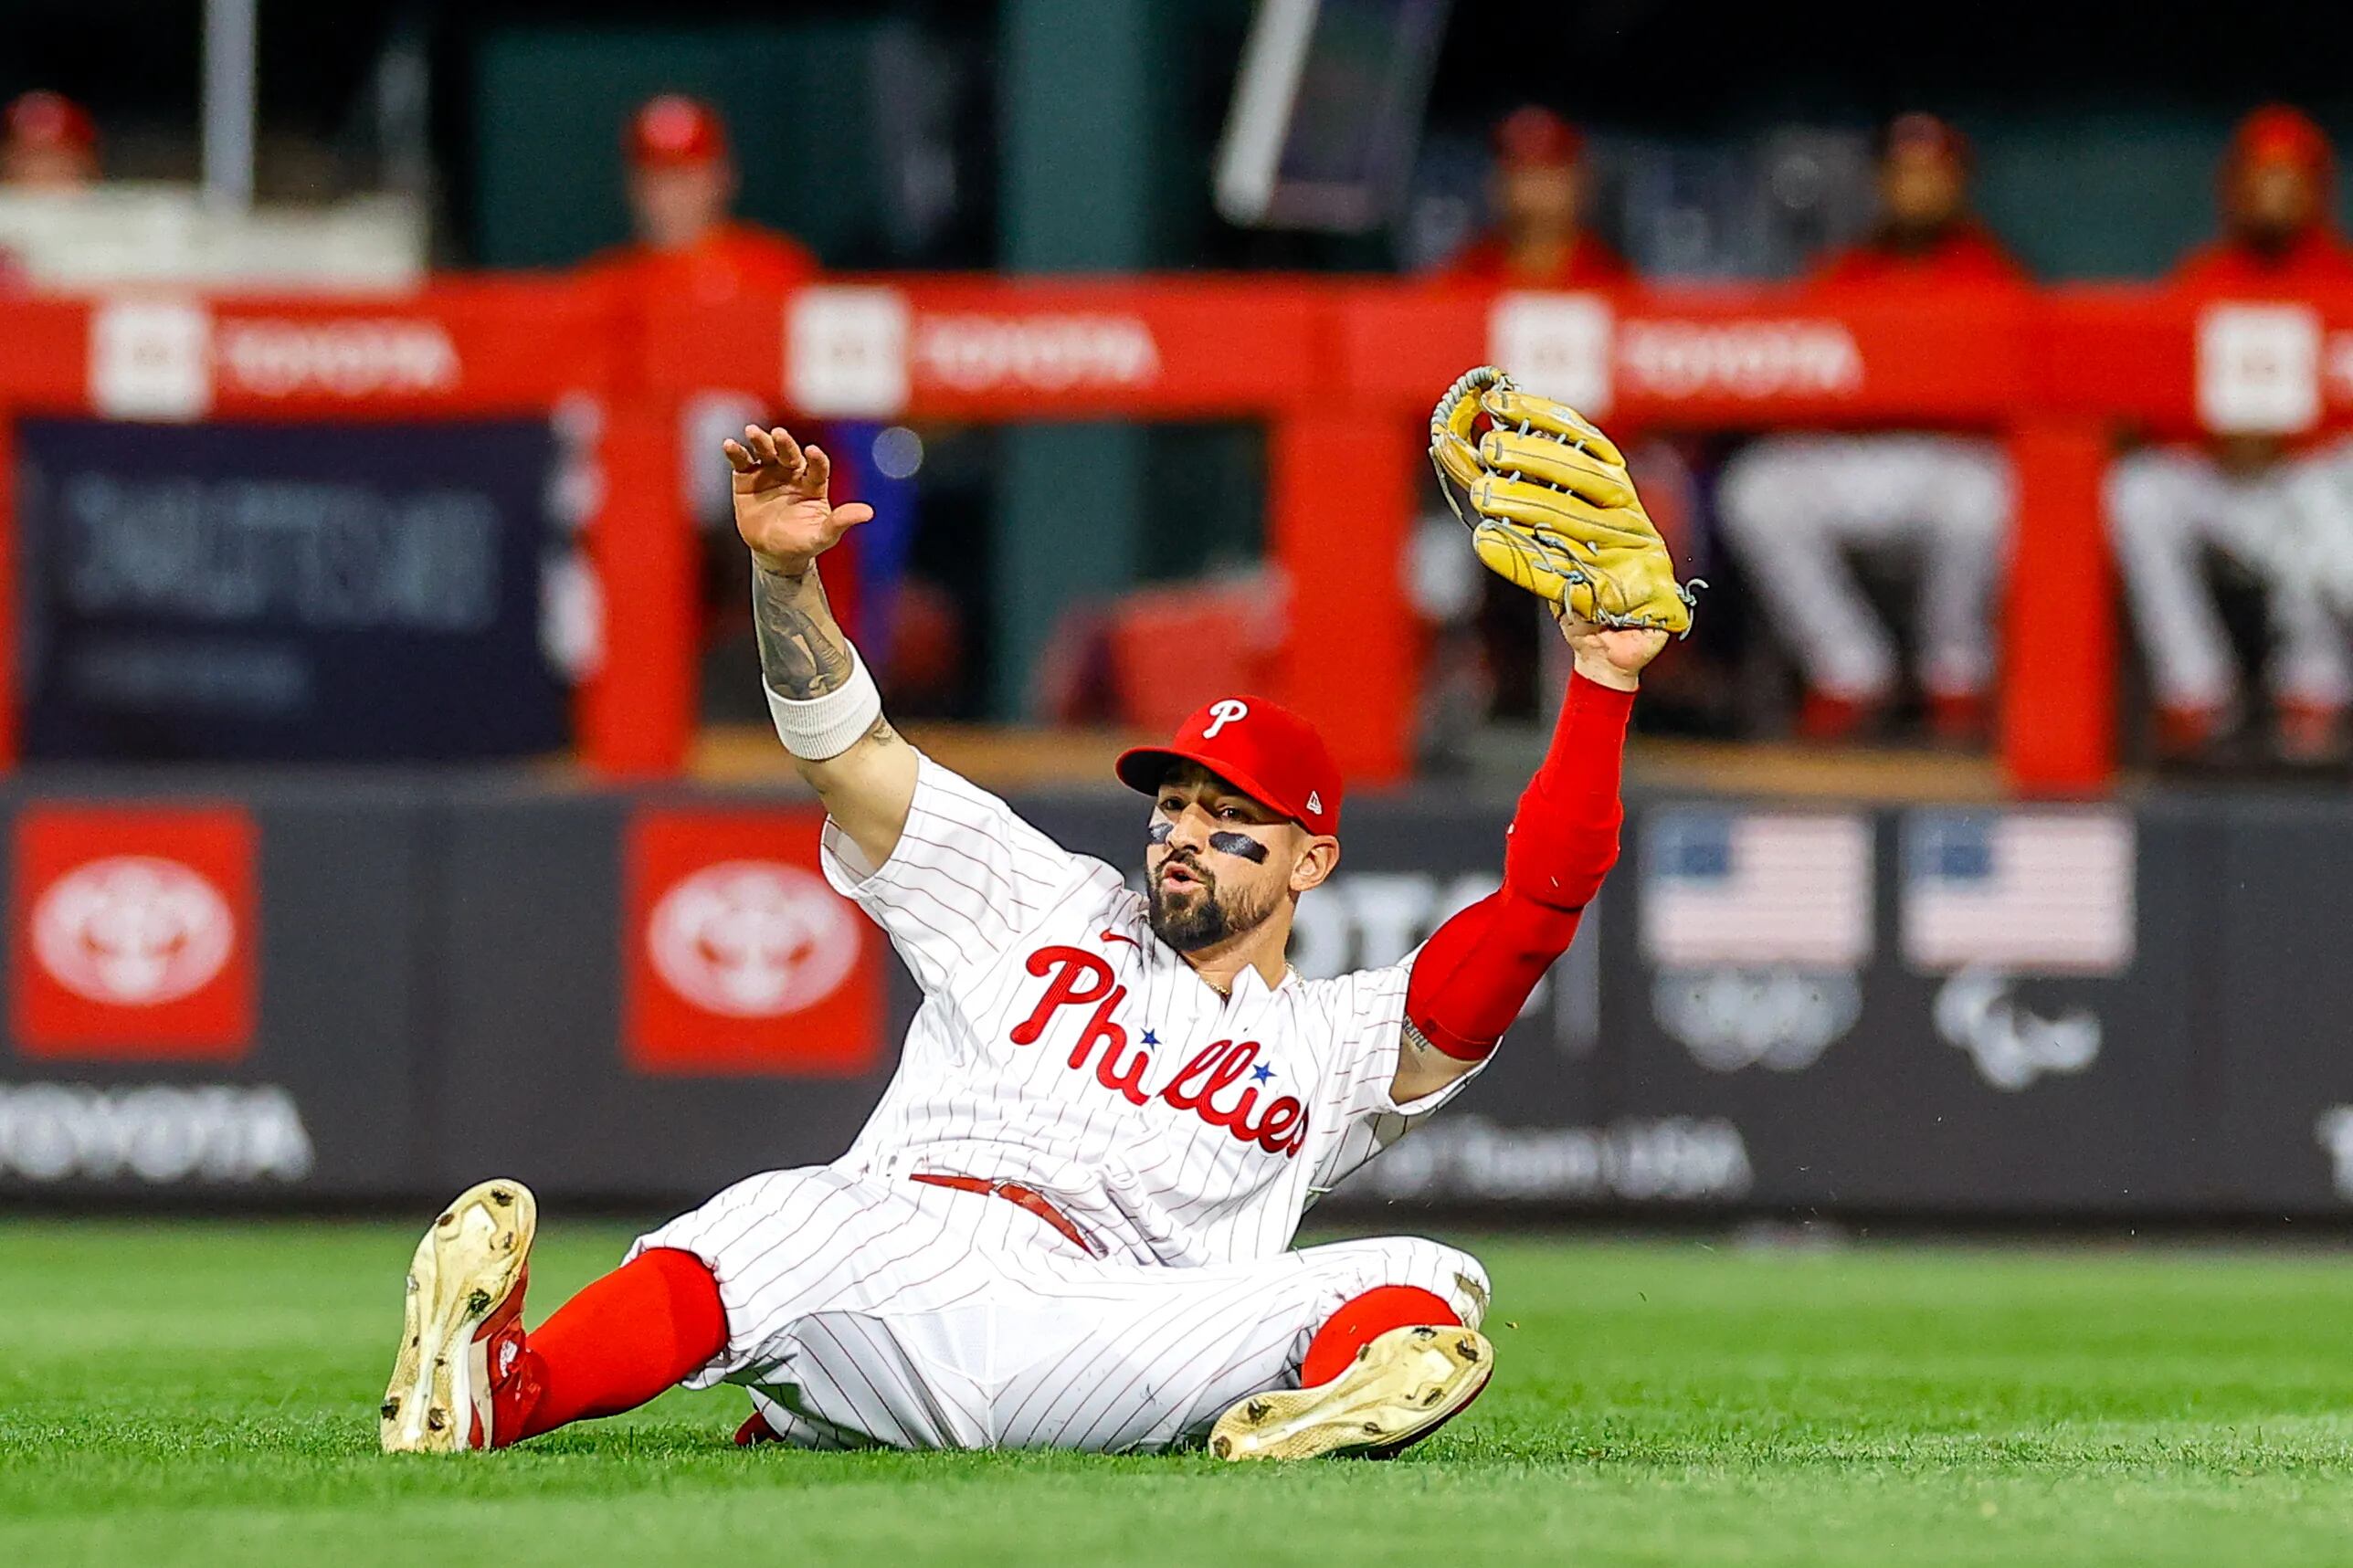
x=1339 y=516
x=636 y=715
x=12 y=694
x=2059 y=675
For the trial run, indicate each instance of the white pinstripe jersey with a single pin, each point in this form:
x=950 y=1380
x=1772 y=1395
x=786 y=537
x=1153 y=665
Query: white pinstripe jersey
x=1062 y=1046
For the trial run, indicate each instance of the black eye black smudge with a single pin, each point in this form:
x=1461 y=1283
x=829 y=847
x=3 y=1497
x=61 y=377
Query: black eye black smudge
x=1160 y=832
x=1240 y=843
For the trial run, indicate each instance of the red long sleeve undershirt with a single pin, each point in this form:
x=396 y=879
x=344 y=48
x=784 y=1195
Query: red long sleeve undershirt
x=1477 y=970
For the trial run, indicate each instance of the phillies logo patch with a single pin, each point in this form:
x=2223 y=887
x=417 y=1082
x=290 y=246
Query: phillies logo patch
x=1080 y=979
x=1224 y=712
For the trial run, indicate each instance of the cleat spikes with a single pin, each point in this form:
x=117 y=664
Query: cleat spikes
x=463 y=1289
x=1409 y=1382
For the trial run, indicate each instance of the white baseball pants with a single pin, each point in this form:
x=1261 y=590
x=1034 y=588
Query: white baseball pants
x=2167 y=506
x=867 y=1311
x=1790 y=506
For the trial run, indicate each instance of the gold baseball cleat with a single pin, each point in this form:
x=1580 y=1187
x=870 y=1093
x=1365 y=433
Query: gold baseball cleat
x=461 y=1334
x=1399 y=1389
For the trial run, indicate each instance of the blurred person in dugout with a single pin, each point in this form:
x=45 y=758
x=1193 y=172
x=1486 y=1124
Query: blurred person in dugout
x=48 y=145
x=1790 y=507
x=1539 y=238
x=688 y=244
x=683 y=185
x=2282 y=518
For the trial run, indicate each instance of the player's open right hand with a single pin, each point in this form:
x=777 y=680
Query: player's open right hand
x=781 y=507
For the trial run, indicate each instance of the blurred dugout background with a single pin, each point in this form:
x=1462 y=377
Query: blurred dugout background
x=367 y=360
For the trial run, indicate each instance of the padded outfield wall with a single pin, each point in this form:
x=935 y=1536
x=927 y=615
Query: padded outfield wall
x=317 y=990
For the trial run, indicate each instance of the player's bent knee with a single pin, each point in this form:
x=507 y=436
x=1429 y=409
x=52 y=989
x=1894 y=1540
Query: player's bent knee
x=1448 y=1272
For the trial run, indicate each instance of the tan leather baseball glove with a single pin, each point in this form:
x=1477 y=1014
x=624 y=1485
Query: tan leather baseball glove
x=1551 y=507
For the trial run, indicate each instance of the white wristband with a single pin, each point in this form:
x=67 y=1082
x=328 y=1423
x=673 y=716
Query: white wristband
x=826 y=726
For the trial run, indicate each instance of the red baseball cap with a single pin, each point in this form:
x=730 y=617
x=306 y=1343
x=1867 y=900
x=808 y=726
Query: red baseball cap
x=676 y=131
x=1535 y=137
x=2278 y=134
x=1261 y=748
x=49 y=119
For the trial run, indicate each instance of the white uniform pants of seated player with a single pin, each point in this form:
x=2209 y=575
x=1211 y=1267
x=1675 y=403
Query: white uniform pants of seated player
x=868 y=1310
x=2291 y=526
x=1789 y=507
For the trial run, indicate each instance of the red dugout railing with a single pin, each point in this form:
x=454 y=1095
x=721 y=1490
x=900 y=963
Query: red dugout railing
x=1340 y=374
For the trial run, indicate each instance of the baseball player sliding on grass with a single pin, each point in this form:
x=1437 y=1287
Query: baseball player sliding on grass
x=1067 y=1223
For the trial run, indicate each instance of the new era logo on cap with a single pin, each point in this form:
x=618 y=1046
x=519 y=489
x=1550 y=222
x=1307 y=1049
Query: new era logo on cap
x=1261 y=748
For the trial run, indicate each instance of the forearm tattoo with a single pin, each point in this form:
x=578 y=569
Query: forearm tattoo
x=802 y=653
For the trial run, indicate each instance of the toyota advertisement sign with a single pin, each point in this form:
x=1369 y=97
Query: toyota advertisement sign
x=135 y=933
x=214 y=997
x=301 y=993
x=740 y=958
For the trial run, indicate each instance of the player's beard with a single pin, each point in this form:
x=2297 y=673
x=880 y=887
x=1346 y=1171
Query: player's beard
x=1205 y=917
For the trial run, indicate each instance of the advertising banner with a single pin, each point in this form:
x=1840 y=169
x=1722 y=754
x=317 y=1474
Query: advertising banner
x=739 y=958
x=307 y=991
x=1920 y=1010
x=133 y=932
x=280 y=591
x=214 y=1003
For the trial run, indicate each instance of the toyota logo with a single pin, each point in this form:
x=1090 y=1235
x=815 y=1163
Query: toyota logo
x=132 y=931
x=753 y=939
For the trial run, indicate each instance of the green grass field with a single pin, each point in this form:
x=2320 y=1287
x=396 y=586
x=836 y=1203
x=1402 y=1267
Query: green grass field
x=206 y=1394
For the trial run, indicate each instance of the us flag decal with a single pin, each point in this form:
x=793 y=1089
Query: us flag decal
x=2040 y=892
x=1756 y=887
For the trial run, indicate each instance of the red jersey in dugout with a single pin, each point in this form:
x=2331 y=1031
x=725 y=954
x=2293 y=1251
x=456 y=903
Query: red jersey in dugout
x=1966 y=255
x=739 y=959
x=734 y=259
x=2318 y=258
x=1587 y=263
x=135 y=933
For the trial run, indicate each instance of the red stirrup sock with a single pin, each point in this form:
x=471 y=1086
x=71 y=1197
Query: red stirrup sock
x=1363 y=1318
x=626 y=1338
